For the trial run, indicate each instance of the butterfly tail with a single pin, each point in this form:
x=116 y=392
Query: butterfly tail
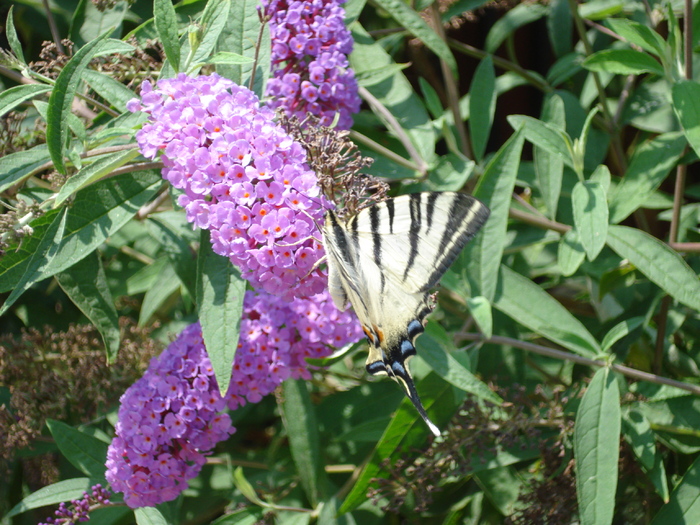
x=399 y=372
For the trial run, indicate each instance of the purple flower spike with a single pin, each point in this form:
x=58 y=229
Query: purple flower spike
x=236 y=167
x=168 y=421
x=172 y=417
x=310 y=44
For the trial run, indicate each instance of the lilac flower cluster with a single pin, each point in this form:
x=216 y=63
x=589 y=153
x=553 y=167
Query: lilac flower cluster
x=170 y=419
x=79 y=510
x=276 y=337
x=167 y=421
x=243 y=178
x=310 y=44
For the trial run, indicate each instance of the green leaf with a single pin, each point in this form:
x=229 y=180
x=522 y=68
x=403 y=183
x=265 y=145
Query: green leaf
x=639 y=34
x=597 y=449
x=405 y=432
x=166 y=24
x=432 y=99
x=93 y=172
x=113 y=91
x=559 y=27
x=86 y=453
x=684 y=506
x=53 y=494
x=166 y=285
x=545 y=136
x=482 y=106
x=244 y=516
x=61 y=100
x=520 y=15
x=244 y=486
x=415 y=25
x=495 y=189
x=648 y=168
x=299 y=419
x=502 y=486
x=590 y=209
x=13 y=97
x=41 y=258
x=571 y=253
x=686 y=104
x=11 y=35
x=638 y=433
x=211 y=26
x=441 y=361
x=622 y=62
x=619 y=331
x=97 y=212
x=525 y=302
x=86 y=285
x=149 y=516
x=224 y=57
x=240 y=35
x=16 y=167
x=89 y=21
x=370 y=77
x=658 y=262
x=180 y=254
x=602 y=176
x=220 y=293
x=480 y=308
x=549 y=167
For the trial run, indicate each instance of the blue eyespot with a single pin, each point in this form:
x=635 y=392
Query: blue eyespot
x=407 y=348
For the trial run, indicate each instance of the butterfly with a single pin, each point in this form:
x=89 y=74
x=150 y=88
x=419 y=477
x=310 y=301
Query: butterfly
x=385 y=259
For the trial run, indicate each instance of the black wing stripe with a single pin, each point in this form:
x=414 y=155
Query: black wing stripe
x=339 y=248
x=467 y=215
x=390 y=209
x=413 y=237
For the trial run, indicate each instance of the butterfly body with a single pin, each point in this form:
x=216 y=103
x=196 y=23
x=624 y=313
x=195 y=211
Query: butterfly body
x=385 y=259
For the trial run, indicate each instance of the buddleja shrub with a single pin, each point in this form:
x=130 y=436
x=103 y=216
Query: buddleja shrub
x=168 y=339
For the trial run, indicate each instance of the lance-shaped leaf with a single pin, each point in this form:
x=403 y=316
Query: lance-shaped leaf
x=648 y=168
x=495 y=189
x=525 y=302
x=413 y=23
x=686 y=104
x=597 y=449
x=302 y=430
x=149 y=516
x=166 y=24
x=482 y=106
x=53 y=494
x=85 y=452
x=96 y=213
x=86 y=285
x=41 y=258
x=220 y=293
x=240 y=35
x=62 y=97
x=658 y=262
x=590 y=209
x=13 y=97
x=684 y=505
x=622 y=62
x=549 y=167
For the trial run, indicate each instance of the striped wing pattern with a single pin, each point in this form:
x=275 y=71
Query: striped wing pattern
x=385 y=260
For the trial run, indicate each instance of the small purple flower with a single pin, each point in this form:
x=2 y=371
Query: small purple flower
x=310 y=44
x=79 y=509
x=171 y=418
x=236 y=167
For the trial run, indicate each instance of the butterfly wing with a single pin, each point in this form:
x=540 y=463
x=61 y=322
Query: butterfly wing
x=385 y=260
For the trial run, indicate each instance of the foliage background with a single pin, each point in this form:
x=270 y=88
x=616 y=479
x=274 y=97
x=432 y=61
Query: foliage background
x=578 y=304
